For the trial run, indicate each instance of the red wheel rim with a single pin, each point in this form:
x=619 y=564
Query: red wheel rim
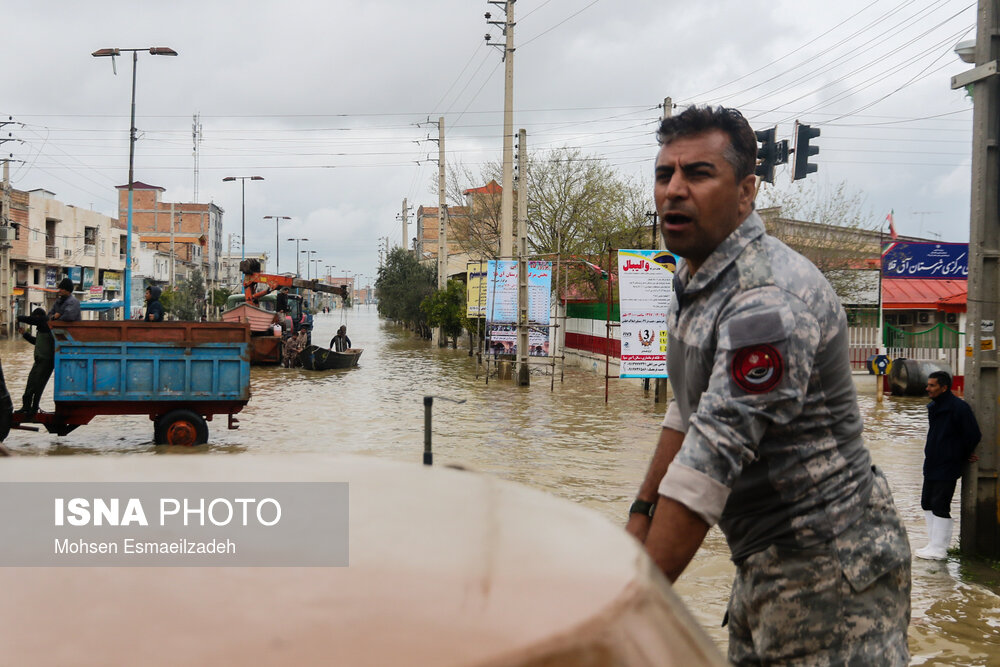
x=182 y=433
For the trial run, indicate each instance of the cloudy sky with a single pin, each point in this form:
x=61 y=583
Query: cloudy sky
x=326 y=100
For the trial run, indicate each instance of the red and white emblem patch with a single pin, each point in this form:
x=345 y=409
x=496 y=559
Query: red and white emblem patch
x=757 y=369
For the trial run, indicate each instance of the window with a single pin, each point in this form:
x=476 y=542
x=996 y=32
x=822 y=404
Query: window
x=35 y=276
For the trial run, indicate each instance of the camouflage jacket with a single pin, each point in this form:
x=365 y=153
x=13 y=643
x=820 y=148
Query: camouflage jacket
x=757 y=357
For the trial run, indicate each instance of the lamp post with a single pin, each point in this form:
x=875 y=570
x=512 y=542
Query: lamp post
x=298 y=272
x=243 y=224
x=277 y=219
x=308 y=259
x=112 y=53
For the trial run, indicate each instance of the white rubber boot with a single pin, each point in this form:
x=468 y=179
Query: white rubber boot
x=941 y=539
x=928 y=518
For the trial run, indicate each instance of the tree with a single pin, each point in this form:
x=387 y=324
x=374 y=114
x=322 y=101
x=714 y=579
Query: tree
x=446 y=309
x=219 y=297
x=833 y=228
x=576 y=204
x=189 y=299
x=402 y=285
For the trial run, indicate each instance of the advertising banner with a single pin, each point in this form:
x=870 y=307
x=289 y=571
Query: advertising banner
x=501 y=306
x=501 y=292
x=88 y=277
x=475 y=289
x=75 y=273
x=51 y=277
x=645 y=279
x=926 y=260
x=113 y=281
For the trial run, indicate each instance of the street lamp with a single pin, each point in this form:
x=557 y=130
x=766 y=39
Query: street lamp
x=308 y=260
x=243 y=226
x=298 y=272
x=277 y=219
x=112 y=53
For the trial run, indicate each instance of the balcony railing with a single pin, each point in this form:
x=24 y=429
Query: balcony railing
x=52 y=252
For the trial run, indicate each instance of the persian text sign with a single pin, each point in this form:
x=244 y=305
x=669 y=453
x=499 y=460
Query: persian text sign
x=926 y=260
x=501 y=292
x=476 y=289
x=645 y=279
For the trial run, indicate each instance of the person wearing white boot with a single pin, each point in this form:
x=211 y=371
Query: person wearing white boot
x=951 y=438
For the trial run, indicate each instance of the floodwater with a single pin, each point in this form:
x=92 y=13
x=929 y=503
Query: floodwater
x=567 y=442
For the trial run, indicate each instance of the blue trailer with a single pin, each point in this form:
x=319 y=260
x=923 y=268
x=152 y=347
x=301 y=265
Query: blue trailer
x=181 y=374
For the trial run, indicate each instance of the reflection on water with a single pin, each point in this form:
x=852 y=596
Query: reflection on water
x=567 y=442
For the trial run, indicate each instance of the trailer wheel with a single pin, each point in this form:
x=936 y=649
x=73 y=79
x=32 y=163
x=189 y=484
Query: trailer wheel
x=181 y=427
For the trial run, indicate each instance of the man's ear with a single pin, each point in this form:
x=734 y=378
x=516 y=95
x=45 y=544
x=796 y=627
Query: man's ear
x=747 y=194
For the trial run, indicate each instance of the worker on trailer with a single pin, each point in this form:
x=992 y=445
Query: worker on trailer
x=154 y=309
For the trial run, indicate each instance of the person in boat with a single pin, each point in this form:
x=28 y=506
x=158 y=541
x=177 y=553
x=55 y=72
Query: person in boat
x=764 y=435
x=154 y=309
x=45 y=358
x=340 y=342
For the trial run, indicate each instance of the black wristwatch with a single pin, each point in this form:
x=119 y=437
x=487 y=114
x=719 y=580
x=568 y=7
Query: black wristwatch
x=642 y=507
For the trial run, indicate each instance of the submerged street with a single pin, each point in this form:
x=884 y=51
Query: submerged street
x=566 y=442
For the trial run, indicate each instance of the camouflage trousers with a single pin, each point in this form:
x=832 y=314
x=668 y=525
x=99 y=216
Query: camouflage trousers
x=844 y=602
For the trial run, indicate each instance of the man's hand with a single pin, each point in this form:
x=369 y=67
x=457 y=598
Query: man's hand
x=973 y=458
x=638 y=526
x=55 y=316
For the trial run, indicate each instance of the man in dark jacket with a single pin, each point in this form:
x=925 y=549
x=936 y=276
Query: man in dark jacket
x=67 y=307
x=951 y=438
x=154 y=309
x=45 y=358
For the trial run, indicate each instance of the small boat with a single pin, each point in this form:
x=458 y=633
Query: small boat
x=316 y=358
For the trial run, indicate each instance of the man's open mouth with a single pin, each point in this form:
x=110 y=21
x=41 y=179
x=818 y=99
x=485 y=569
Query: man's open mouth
x=675 y=220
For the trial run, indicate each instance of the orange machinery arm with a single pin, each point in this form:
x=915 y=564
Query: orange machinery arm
x=274 y=281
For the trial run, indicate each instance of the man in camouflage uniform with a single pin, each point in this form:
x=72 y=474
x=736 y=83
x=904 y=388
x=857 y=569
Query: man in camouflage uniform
x=764 y=434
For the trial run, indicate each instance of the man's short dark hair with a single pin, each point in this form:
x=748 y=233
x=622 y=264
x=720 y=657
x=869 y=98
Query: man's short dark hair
x=942 y=377
x=742 y=151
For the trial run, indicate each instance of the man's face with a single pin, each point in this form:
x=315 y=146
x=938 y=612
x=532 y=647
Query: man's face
x=698 y=199
x=63 y=293
x=933 y=388
x=149 y=295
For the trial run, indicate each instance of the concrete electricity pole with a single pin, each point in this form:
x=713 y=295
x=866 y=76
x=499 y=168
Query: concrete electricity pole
x=403 y=217
x=523 y=339
x=660 y=388
x=980 y=530
x=507 y=194
x=6 y=311
x=442 y=252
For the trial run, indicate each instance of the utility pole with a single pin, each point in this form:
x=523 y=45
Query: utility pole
x=523 y=339
x=6 y=316
x=507 y=194
x=173 y=255
x=442 y=253
x=402 y=216
x=196 y=141
x=980 y=530
x=660 y=390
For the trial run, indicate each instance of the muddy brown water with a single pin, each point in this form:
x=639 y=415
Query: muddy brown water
x=567 y=442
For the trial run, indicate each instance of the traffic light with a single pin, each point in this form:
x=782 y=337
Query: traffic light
x=803 y=151
x=766 y=154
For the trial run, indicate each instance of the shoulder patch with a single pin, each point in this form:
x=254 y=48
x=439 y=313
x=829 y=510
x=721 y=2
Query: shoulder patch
x=757 y=369
x=765 y=327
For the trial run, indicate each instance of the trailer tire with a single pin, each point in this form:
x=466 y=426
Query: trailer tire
x=181 y=427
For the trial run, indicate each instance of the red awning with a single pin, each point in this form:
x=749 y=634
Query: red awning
x=908 y=293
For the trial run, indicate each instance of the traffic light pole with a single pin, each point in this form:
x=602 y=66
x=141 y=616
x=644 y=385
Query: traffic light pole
x=980 y=529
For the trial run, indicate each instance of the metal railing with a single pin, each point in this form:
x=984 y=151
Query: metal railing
x=52 y=252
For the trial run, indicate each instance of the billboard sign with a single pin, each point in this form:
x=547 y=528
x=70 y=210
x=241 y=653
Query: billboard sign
x=645 y=279
x=926 y=260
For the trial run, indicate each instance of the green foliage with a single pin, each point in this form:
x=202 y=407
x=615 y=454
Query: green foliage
x=189 y=298
x=446 y=308
x=168 y=299
x=401 y=286
x=219 y=297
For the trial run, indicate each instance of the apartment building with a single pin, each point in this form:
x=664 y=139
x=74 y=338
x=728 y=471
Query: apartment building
x=160 y=219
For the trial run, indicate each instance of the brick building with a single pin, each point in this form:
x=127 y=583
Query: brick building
x=151 y=215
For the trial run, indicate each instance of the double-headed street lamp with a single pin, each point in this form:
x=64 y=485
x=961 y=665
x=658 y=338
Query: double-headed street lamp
x=298 y=272
x=308 y=260
x=243 y=226
x=112 y=53
x=277 y=219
